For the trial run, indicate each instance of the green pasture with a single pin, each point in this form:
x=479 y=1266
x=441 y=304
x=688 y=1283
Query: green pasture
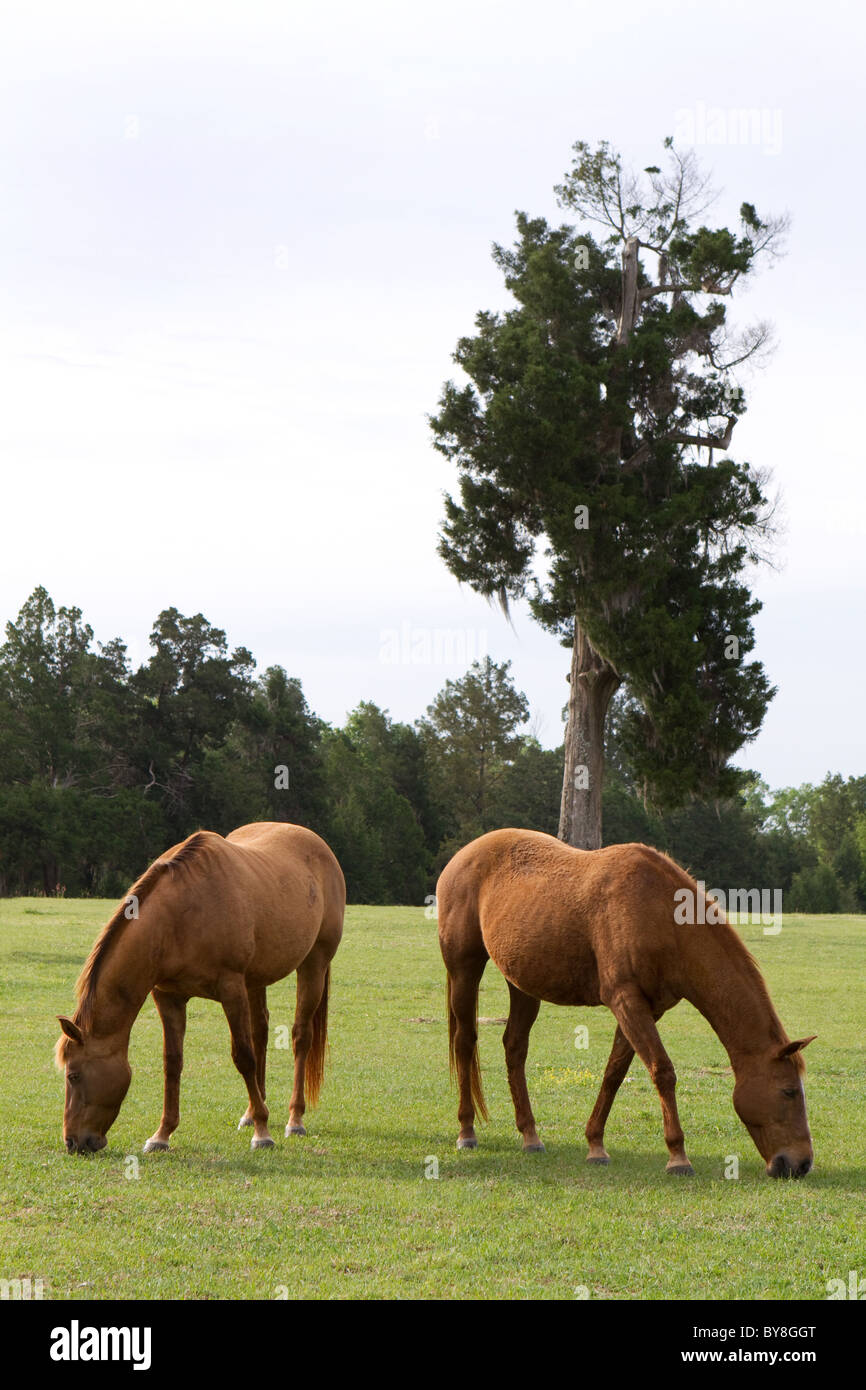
x=355 y=1211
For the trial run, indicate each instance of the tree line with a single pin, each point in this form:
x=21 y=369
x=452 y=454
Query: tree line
x=103 y=766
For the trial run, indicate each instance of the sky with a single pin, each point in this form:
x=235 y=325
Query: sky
x=239 y=245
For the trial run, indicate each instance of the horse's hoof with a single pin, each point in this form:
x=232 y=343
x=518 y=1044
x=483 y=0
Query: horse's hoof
x=294 y=1129
x=601 y=1159
x=262 y=1143
x=244 y=1121
x=155 y=1146
x=467 y=1143
x=681 y=1170
x=534 y=1148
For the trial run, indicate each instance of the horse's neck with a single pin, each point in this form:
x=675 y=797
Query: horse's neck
x=127 y=976
x=726 y=988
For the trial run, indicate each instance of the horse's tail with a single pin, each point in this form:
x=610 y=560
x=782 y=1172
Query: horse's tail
x=474 y=1067
x=314 y=1070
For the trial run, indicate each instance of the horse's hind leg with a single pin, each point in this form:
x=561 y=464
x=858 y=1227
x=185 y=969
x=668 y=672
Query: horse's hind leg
x=236 y=1007
x=311 y=996
x=172 y=1011
x=259 y=1019
x=634 y=1015
x=515 y=1040
x=620 y=1059
x=463 y=1036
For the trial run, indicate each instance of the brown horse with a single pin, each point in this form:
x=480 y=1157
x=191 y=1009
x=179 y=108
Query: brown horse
x=598 y=927
x=212 y=918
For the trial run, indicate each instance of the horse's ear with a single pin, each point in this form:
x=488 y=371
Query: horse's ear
x=71 y=1029
x=790 y=1048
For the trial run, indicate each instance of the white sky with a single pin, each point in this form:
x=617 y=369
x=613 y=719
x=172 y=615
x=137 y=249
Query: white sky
x=239 y=244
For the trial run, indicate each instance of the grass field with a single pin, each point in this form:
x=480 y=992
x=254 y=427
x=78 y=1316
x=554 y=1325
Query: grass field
x=349 y=1212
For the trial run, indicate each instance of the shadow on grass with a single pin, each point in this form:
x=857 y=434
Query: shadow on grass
x=325 y=1157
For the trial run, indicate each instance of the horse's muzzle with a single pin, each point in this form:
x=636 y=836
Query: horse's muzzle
x=86 y=1144
x=782 y=1167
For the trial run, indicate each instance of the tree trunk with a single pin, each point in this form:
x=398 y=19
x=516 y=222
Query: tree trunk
x=593 y=680
x=630 y=301
x=50 y=873
x=592 y=683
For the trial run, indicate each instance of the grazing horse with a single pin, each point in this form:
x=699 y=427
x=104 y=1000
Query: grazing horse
x=572 y=926
x=212 y=918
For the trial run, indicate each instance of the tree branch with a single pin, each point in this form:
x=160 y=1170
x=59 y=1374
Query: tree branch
x=681 y=287
x=701 y=441
x=705 y=441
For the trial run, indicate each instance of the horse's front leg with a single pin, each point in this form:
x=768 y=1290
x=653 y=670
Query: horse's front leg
x=632 y=1011
x=236 y=1007
x=172 y=1011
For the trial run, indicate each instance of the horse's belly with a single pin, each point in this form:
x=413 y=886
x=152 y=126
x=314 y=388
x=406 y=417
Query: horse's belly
x=283 y=938
x=278 y=956
x=555 y=965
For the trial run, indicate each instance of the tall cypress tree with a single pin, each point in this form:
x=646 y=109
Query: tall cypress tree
x=586 y=442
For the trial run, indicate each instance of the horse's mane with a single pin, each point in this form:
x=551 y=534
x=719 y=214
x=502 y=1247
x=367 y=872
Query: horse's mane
x=190 y=853
x=736 y=947
x=739 y=951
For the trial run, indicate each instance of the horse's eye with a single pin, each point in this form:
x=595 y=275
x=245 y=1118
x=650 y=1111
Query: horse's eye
x=73 y=1076
x=790 y=1093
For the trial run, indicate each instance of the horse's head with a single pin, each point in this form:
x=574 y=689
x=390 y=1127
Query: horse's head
x=770 y=1101
x=97 y=1079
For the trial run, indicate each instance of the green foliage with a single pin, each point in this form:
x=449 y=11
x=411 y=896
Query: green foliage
x=191 y=692
x=529 y=791
x=371 y=826
x=274 y=740
x=472 y=741
x=818 y=885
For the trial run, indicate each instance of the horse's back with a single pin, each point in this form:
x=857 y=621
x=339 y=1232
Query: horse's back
x=257 y=901
x=292 y=851
x=300 y=892
x=559 y=922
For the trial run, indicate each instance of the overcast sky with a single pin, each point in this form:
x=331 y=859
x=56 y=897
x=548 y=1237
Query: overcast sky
x=239 y=244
